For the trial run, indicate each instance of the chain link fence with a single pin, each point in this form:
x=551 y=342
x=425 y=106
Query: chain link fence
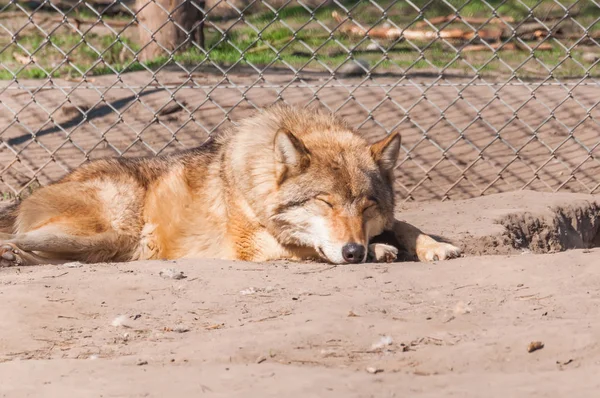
x=490 y=95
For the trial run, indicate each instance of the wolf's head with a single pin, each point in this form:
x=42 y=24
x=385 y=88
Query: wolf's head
x=334 y=191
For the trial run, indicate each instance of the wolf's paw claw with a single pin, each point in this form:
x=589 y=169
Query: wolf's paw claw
x=438 y=251
x=10 y=256
x=382 y=253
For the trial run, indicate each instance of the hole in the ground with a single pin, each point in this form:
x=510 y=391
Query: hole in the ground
x=562 y=228
x=570 y=227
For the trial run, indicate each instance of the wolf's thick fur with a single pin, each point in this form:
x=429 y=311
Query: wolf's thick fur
x=285 y=184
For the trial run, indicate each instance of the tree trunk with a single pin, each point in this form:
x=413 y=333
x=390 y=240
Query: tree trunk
x=165 y=25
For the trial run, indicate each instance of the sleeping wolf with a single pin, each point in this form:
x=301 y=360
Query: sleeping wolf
x=287 y=183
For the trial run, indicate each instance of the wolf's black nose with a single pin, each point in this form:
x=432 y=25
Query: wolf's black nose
x=353 y=253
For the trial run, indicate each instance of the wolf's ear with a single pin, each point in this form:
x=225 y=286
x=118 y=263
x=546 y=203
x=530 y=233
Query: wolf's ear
x=386 y=152
x=291 y=155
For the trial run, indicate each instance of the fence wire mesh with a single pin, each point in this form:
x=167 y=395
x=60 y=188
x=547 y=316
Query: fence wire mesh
x=489 y=95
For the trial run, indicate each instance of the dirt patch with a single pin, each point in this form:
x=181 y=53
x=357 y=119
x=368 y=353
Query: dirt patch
x=570 y=227
x=487 y=245
x=513 y=223
x=567 y=227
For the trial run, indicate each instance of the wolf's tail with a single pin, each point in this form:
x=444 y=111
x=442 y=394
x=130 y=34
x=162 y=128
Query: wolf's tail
x=8 y=217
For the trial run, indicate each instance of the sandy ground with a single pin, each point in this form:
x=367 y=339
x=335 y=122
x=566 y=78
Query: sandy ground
x=457 y=328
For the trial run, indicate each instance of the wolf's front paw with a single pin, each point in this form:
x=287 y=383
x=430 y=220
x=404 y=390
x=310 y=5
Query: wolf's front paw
x=437 y=251
x=382 y=253
x=10 y=255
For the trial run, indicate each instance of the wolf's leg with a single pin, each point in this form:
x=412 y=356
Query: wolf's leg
x=11 y=255
x=382 y=253
x=424 y=246
x=54 y=246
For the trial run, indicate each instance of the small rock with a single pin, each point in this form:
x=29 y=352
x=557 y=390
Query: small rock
x=373 y=370
x=141 y=363
x=590 y=57
x=172 y=273
x=534 y=346
x=381 y=343
x=180 y=329
x=461 y=308
x=253 y=290
x=356 y=67
x=121 y=321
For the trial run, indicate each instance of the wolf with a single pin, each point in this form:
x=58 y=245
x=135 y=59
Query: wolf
x=287 y=183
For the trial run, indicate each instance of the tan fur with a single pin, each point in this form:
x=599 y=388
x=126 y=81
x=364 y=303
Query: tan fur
x=285 y=184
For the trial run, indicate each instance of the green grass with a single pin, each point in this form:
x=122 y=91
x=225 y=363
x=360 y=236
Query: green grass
x=65 y=54
x=69 y=54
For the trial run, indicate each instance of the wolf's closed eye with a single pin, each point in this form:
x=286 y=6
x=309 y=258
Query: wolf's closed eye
x=322 y=200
